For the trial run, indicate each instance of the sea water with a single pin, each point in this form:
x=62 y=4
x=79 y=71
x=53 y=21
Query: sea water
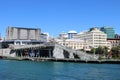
x=30 y=70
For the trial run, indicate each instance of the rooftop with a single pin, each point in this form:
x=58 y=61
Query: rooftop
x=24 y=28
x=72 y=31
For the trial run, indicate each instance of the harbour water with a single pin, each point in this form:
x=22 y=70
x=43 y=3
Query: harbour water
x=30 y=70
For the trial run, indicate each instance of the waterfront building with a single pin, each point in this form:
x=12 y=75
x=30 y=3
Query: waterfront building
x=114 y=42
x=76 y=44
x=22 y=36
x=94 y=38
x=109 y=31
x=71 y=34
x=19 y=33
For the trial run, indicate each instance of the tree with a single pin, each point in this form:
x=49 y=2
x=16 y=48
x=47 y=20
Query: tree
x=115 y=51
x=99 y=50
x=92 y=50
x=105 y=50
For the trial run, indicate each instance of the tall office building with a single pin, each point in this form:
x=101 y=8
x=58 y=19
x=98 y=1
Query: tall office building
x=19 y=33
x=94 y=38
x=109 y=31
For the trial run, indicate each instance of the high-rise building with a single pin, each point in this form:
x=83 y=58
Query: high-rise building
x=19 y=33
x=94 y=38
x=109 y=31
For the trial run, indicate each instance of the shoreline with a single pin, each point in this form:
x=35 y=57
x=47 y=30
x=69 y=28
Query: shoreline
x=110 y=61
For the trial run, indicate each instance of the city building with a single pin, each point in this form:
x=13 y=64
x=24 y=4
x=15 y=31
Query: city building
x=71 y=34
x=114 y=42
x=117 y=36
x=94 y=38
x=68 y=35
x=109 y=31
x=76 y=44
x=19 y=33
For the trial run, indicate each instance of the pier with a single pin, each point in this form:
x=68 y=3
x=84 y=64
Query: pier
x=50 y=52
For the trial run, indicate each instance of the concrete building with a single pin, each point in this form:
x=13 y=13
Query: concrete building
x=76 y=44
x=94 y=38
x=109 y=31
x=19 y=33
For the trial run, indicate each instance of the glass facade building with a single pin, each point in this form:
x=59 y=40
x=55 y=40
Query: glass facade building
x=109 y=31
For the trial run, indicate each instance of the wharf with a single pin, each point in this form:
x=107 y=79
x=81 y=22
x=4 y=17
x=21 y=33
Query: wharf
x=108 y=61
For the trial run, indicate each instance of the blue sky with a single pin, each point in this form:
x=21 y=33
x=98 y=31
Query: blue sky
x=55 y=16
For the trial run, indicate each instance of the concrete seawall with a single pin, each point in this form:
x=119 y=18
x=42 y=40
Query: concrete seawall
x=61 y=60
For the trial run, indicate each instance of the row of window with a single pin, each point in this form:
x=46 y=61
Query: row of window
x=115 y=41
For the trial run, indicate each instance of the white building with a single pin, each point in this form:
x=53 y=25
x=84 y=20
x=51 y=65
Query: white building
x=94 y=38
x=68 y=35
x=73 y=43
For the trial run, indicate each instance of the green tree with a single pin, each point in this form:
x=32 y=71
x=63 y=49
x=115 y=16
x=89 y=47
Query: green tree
x=115 y=51
x=92 y=50
x=99 y=50
x=105 y=50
